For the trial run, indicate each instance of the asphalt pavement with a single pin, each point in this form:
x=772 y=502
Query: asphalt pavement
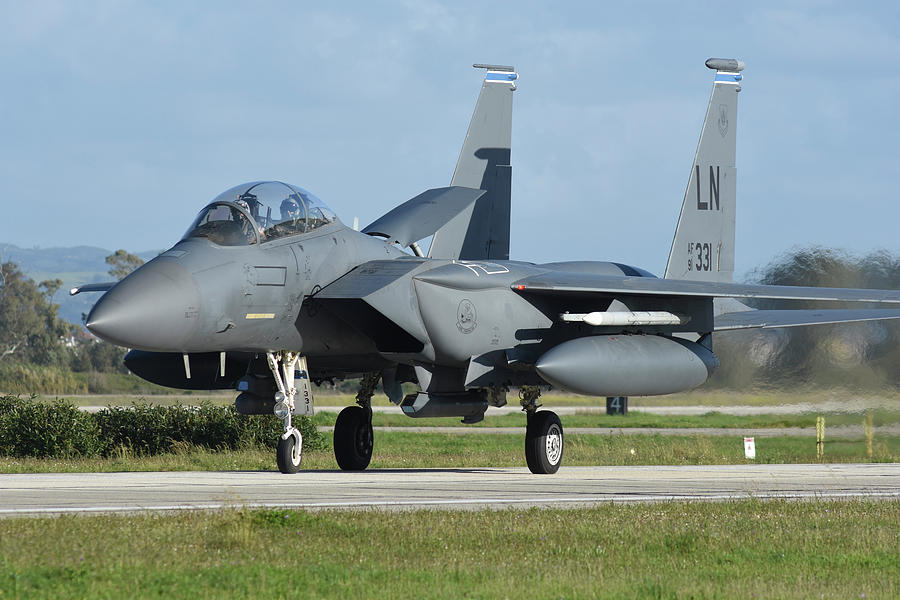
x=392 y=489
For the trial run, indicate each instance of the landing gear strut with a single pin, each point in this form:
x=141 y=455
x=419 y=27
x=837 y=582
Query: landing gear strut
x=353 y=433
x=290 y=446
x=543 y=434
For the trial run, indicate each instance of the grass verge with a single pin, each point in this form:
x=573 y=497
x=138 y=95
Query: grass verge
x=636 y=419
x=740 y=549
x=168 y=396
x=437 y=450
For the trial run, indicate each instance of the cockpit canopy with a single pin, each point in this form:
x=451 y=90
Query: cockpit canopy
x=259 y=212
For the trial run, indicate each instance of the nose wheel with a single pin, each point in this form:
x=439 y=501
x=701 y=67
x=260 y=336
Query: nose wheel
x=289 y=454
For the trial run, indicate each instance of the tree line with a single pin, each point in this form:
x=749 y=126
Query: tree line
x=854 y=355
x=32 y=334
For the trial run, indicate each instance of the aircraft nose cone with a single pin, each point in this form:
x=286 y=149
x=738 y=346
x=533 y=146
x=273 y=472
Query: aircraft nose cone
x=156 y=308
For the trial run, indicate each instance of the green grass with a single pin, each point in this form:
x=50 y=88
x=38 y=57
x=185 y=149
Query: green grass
x=412 y=450
x=694 y=398
x=60 y=381
x=437 y=450
x=635 y=419
x=882 y=416
x=738 y=549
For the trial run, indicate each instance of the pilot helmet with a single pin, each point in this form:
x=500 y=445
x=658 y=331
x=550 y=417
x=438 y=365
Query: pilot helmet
x=290 y=207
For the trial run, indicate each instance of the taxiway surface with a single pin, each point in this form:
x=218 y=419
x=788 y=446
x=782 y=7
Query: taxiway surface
x=60 y=493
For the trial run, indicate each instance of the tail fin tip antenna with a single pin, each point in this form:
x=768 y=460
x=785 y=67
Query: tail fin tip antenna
x=502 y=68
x=729 y=65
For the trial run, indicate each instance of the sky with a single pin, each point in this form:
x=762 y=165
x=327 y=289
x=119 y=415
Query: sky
x=120 y=120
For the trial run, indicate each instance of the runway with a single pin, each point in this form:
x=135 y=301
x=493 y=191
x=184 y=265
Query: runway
x=64 y=493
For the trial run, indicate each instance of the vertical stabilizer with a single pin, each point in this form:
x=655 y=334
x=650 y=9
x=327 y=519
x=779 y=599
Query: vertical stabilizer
x=703 y=248
x=483 y=231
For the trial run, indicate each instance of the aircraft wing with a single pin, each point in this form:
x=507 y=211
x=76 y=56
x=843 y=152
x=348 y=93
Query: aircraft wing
x=768 y=319
x=561 y=282
x=586 y=284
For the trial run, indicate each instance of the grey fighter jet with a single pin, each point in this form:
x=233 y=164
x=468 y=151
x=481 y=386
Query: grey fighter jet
x=268 y=291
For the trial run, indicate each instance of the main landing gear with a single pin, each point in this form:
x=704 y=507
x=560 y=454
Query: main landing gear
x=543 y=434
x=283 y=364
x=353 y=433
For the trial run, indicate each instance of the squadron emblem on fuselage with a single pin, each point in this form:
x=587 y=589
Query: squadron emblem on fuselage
x=466 y=317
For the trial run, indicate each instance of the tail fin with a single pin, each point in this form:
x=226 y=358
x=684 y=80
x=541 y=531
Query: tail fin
x=703 y=248
x=484 y=164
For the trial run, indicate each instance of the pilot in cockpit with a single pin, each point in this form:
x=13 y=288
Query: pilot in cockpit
x=246 y=225
x=291 y=216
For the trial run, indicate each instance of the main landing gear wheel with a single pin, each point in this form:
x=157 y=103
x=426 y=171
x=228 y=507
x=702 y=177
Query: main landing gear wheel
x=353 y=438
x=290 y=453
x=543 y=442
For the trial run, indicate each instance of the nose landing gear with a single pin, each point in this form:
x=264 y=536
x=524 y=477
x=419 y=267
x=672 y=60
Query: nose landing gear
x=283 y=366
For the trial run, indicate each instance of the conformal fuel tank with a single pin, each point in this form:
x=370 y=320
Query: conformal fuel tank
x=627 y=365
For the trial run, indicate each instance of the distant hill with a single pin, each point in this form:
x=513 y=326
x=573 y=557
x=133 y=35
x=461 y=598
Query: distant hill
x=75 y=265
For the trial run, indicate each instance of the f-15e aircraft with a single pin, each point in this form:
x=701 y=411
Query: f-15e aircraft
x=269 y=291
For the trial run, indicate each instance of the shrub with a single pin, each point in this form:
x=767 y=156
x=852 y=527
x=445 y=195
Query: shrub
x=60 y=430
x=46 y=430
x=147 y=429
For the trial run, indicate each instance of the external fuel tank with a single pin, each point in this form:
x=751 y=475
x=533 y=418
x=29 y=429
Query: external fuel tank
x=627 y=365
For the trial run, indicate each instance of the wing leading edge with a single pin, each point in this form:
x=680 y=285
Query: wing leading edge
x=769 y=319
x=585 y=284
x=560 y=282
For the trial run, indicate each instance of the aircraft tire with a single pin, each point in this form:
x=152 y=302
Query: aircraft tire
x=353 y=439
x=289 y=455
x=543 y=443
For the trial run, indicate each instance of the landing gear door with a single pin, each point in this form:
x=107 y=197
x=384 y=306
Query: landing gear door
x=303 y=404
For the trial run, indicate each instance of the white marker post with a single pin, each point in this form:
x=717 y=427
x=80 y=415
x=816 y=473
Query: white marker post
x=749 y=448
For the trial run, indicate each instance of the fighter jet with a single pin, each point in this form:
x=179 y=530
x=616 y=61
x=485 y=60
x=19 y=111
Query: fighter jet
x=268 y=292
